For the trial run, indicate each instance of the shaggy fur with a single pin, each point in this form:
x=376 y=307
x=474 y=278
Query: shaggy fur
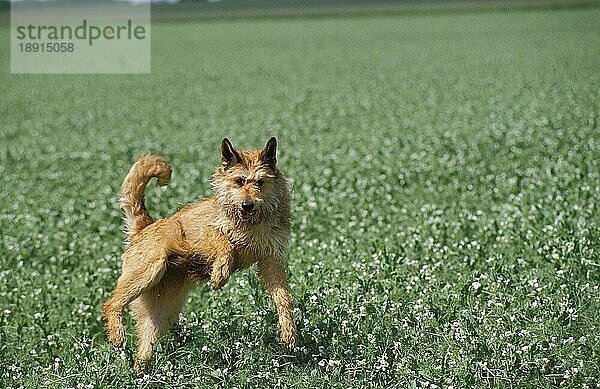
x=207 y=240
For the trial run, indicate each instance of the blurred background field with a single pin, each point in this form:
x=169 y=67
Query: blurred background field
x=193 y=9
x=171 y=10
x=446 y=180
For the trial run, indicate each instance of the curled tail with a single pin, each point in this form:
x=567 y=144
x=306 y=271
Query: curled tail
x=136 y=215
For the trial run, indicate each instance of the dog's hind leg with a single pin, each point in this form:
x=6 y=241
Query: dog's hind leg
x=136 y=278
x=155 y=311
x=144 y=264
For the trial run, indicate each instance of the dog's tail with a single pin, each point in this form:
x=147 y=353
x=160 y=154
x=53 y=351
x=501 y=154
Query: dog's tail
x=136 y=216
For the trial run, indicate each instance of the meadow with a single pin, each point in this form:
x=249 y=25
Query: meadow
x=446 y=182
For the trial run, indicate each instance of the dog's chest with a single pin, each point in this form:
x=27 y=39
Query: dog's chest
x=256 y=244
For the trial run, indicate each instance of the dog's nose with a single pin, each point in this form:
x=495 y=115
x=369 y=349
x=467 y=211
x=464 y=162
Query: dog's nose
x=247 y=205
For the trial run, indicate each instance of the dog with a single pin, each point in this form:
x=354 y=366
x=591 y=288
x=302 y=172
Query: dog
x=245 y=221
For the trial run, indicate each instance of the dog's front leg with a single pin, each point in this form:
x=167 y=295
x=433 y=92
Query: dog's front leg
x=216 y=247
x=222 y=268
x=274 y=279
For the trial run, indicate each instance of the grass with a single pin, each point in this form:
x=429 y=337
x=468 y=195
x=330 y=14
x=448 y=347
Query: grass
x=446 y=174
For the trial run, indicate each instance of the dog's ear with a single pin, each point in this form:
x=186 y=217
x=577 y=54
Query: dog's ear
x=229 y=155
x=268 y=155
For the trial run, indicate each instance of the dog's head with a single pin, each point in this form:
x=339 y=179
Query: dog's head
x=248 y=185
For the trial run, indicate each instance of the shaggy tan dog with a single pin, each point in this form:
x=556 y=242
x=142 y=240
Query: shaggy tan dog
x=246 y=221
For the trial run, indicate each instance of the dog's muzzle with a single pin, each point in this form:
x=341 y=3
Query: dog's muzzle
x=247 y=209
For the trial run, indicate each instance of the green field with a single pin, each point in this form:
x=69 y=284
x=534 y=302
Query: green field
x=446 y=180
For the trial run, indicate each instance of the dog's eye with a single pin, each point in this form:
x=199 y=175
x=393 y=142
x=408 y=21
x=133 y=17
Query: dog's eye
x=259 y=183
x=240 y=181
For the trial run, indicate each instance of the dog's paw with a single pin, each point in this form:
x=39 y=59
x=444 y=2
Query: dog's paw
x=116 y=333
x=139 y=366
x=288 y=337
x=219 y=276
x=217 y=283
x=114 y=328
